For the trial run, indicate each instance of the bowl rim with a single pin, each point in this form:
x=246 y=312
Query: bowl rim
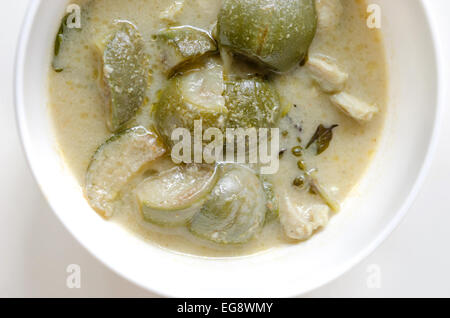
x=19 y=67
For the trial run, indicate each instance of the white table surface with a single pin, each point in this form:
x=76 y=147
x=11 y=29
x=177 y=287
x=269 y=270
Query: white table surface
x=35 y=249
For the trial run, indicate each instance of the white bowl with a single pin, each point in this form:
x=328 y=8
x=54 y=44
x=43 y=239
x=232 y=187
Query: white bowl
x=370 y=214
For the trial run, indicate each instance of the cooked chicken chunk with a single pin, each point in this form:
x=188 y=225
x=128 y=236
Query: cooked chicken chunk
x=329 y=14
x=327 y=74
x=171 y=13
x=354 y=107
x=299 y=221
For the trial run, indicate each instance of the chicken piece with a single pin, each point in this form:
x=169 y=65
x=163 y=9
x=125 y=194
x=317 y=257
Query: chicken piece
x=171 y=13
x=327 y=74
x=354 y=107
x=329 y=14
x=299 y=221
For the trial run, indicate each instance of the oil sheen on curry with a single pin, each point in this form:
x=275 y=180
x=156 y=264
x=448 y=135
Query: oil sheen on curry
x=125 y=76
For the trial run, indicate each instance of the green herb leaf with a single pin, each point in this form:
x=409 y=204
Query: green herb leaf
x=60 y=35
x=58 y=43
x=322 y=138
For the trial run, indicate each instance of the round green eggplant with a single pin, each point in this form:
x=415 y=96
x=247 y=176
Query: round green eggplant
x=275 y=33
x=251 y=103
x=203 y=94
x=183 y=44
x=235 y=211
x=194 y=95
x=172 y=197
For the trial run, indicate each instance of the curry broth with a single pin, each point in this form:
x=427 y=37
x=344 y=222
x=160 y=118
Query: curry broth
x=77 y=109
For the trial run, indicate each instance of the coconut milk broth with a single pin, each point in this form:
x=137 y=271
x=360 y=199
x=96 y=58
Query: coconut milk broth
x=77 y=109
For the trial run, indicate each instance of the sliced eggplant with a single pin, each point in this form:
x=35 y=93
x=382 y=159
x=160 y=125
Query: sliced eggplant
x=276 y=33
x=180 y=45
x=116 y=162
x=235 y=210
x=172 y=197
x=125 y=68
x=195 y=95
x=252 y=103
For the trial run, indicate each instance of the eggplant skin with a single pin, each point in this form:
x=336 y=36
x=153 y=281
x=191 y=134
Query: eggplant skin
x=182 y=45
x=115 y=162
x=252 y=103
x=174 y=111
x=275 y=33
x=235 y=210
x=126 y=74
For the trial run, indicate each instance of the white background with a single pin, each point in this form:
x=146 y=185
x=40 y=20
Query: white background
x=35 y=249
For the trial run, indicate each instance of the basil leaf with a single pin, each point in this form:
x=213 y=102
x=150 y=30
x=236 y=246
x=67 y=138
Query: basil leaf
x=59 y=41
x=58 y=44
x=322 y=138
